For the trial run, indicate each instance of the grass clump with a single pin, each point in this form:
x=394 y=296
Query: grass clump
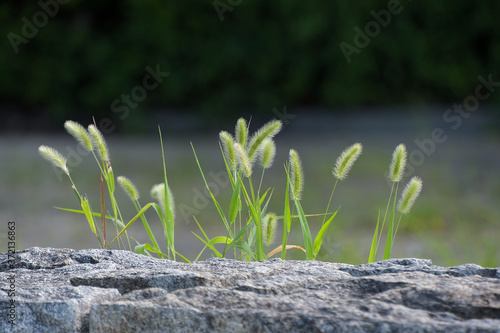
x=250 y=225
x=410 y=194
x=92 y=140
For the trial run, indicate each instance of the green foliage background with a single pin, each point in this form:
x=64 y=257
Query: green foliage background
x=264 y=54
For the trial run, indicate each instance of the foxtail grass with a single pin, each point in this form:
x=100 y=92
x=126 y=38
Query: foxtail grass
x=91 y=139
x=409 y=195
x=250 y=226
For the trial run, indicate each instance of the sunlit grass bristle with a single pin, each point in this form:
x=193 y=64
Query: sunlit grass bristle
x=227 y=141
x=268 y=131
x=129 y=188
x=54 y=157
x=267 y=153
x=345 y=161
x=269 y=225
x=99 y=142
x=296 y=175
x=158 y=193
x=80 y=134
x=243 y=160
x=398 y=163
x=241 y=132
x=409 y=195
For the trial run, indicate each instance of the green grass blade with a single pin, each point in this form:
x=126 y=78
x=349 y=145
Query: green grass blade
x=233 y=207
x=169 y=209
x=321 y=233
x=88 y=214
x=305 y=231
x=256 y=216
x=242 y=232
x=242 y=245
x=286 y=217
x=373 y=248
x=140 y=249
x=219 y=209
x=135 y=218
x=390 y=232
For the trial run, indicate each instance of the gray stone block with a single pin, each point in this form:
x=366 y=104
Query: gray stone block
x=64 y=290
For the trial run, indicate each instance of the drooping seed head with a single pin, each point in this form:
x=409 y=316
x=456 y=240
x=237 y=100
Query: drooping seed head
x=80 y=134
x=128 y=187
x=409 y=195
x=267 y=153
x=243 y=160
x=54 y=157
x=398 y=163
x=99 y=142
x=268 y=131
x=241 y=132
x=158 y=193
x=228 y=146
x=346 y=160
x=296 y=175
x=269 y=225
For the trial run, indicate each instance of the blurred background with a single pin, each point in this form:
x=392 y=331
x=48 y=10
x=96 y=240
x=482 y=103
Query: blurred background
x=381 y=73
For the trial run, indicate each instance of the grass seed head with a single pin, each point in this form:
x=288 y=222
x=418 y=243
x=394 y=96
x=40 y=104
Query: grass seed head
x=80 y=134
x=158 y=193
x=409 y=195
x=54 y=157
x=228 y=146
x=296 y=175
x=243 y=160
x=128 y=187
x=241 y=132
x=267 y=153
x=346 y=160
x=268 y=131
x=99 y=142
x=269 y=225
x=398 y=163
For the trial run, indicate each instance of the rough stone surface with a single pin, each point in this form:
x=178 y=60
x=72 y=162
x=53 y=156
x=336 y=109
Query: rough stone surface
x=64 y=290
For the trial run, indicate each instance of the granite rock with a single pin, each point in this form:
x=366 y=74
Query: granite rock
x=64 y=290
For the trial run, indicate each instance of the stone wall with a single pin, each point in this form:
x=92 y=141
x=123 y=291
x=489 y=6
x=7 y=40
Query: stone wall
x=64 y=290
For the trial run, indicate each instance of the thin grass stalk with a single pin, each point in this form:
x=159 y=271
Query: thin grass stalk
x=169 y=214
x=286 y=215
x=390 y=232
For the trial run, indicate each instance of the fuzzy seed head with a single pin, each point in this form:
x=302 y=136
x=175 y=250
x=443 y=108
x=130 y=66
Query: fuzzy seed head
x=296 y=175
x=409 y=195
x=243 y=160
x=398 y=163
x=267 y=153
x=269 y=224
x=99 y=142
x=228 y=146
x=80 y=134
x=268 y=131
x=128 y=187
x=54 y=157
x=346 y=160
x=241 y=132
x=158 y=193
